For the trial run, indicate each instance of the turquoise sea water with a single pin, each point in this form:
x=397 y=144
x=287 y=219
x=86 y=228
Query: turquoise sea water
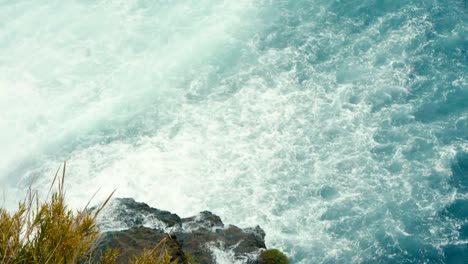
x=340 y=127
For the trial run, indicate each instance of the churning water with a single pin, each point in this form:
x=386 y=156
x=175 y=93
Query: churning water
x=340 y=127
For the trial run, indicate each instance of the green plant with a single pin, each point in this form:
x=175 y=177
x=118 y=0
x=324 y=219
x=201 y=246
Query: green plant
x=273 y=256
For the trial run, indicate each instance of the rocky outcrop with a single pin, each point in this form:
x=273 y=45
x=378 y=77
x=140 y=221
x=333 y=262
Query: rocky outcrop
x=132 y=242
x=132 y=227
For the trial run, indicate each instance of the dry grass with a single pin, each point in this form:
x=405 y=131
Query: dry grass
x=154 y=256
x=49 y=232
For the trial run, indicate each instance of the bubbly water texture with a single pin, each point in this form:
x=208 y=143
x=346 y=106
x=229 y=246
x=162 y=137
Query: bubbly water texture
x=340 y=127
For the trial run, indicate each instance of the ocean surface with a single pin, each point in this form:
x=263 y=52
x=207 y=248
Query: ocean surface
x=338 y=126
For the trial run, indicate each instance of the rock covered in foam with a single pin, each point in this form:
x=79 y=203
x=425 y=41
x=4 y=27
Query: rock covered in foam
x=125 y=213
x=202 y=236
x=204 y=220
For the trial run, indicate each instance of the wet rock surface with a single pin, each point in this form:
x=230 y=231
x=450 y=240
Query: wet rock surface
x=137 y=227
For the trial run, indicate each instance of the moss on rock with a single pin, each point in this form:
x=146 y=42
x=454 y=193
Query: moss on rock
x=273 y=256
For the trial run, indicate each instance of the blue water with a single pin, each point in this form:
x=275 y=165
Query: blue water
x=340 y=127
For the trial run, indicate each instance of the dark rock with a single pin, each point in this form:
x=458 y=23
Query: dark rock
x=205 y=219
x=134 y=241
x=174 y=249
x=199 y=235
x=130 y=242
x=244 y=244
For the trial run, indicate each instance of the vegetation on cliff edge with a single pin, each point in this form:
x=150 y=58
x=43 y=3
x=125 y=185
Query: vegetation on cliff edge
x=48 y=231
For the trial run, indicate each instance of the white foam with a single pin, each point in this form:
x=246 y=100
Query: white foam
x=273 y=136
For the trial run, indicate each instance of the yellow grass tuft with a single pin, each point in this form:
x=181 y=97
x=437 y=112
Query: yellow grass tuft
x=49 y=232
x=46 y=232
